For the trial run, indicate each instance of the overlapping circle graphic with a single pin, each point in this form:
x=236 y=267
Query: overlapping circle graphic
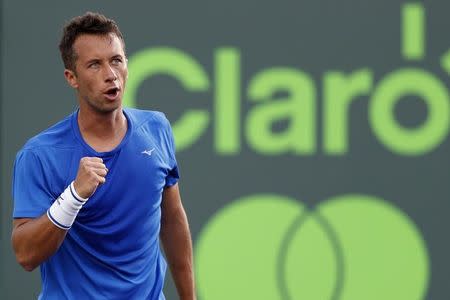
x=350 y=247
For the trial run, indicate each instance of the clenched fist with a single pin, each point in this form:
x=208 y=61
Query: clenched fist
x=91 y=173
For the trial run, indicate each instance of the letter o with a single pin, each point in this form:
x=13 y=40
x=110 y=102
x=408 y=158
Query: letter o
x=410 y=141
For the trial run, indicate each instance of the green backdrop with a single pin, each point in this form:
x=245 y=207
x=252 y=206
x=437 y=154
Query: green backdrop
x=312 y=137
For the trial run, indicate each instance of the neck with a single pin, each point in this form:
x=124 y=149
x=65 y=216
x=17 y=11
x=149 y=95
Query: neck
x=102 y=131
x=102 y=125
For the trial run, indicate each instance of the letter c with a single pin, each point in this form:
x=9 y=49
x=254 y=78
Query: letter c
x=175 y=63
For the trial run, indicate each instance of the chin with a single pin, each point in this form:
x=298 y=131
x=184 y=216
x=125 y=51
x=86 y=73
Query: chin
x=106 y=109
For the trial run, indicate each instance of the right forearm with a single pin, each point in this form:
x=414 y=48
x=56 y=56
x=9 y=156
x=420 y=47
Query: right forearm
x=35 y=240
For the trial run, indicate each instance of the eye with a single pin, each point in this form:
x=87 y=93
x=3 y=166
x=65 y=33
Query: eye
x=93 y=65
x=116 y=61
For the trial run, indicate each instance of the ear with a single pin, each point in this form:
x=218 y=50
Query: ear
x=71 y=78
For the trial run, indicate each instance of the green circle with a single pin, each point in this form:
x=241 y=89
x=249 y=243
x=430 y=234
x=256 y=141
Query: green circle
x=351 y=247
x=236 y=253
x=310 y=266
x=384 y=254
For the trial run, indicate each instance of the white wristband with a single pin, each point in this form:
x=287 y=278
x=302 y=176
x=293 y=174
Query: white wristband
x=64 y=210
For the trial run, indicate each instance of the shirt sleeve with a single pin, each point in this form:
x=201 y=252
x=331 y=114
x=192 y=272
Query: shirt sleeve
x=30 y=191
x=173 y=175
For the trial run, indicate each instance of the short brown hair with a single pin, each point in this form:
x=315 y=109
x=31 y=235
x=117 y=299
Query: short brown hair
x=89 y=23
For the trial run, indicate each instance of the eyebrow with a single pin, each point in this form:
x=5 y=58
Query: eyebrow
x=92 y=61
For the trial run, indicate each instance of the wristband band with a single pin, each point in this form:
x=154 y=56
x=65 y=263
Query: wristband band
x=75 y=194
x=64 y=210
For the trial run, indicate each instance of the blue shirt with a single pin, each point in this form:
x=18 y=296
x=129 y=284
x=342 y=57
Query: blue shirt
x=112 y=250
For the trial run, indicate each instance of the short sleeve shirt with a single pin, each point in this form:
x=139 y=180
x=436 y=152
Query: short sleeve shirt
x=112 y=250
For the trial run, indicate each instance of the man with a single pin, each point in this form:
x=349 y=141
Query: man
x=94 y=193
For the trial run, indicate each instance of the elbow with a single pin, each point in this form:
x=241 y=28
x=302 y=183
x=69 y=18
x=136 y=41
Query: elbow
x=28 y=267
x=26 y=262
x=26 y=255
x=24 y=258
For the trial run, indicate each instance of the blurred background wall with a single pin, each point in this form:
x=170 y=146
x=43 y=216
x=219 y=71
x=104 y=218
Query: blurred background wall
x=312 y=136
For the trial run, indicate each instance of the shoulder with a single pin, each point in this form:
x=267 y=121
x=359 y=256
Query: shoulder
x=59 y=135
x=152 y=124
x=142 y=118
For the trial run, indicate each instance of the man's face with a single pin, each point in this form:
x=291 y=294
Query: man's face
x=100 y=71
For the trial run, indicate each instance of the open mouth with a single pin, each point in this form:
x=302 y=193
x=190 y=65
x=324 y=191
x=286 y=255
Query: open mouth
x=112 y=93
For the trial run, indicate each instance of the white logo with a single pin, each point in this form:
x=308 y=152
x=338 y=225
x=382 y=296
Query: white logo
x=148 y=152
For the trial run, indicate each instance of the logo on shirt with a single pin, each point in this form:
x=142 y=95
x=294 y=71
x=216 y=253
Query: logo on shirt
x=148 y=152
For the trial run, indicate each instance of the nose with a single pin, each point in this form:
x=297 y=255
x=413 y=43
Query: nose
x=110 y=75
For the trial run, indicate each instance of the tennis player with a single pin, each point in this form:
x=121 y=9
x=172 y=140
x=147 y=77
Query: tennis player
x=95 y=193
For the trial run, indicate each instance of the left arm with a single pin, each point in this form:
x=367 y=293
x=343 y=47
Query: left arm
x=176 y=240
